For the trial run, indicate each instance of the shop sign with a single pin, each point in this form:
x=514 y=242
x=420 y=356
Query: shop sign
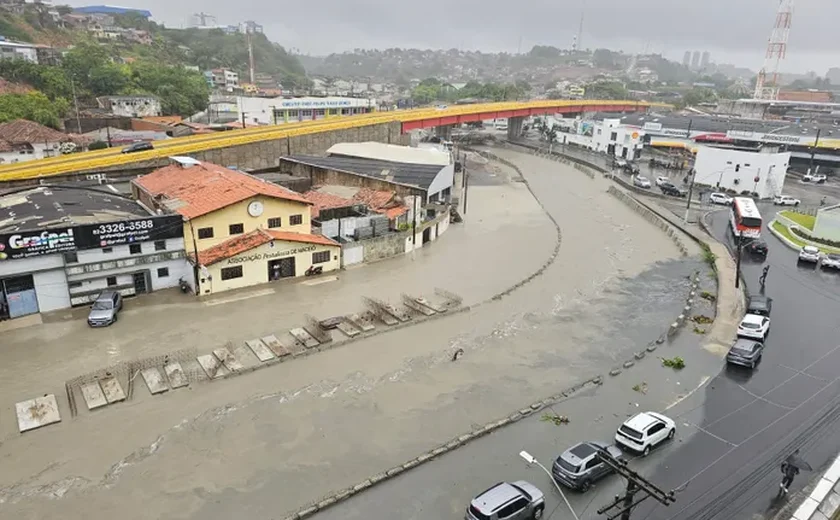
x=32 y=243
x=319 y=103
x=93 y=236
x=256 y=257
x=652 y=127
x=27 y=244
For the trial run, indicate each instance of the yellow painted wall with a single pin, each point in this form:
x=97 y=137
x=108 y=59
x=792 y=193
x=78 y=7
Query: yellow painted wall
x=255 y=264
x=220 y=221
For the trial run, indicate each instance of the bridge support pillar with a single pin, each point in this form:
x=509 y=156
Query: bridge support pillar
x=514 y=130
x=444 y=132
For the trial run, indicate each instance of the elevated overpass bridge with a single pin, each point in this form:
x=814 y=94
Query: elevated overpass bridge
x=259 y=148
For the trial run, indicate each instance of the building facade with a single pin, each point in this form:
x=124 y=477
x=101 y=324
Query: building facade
x=268 y=111
x=44 y=270
x=131 y=106
x=759 y=173
x=239 y=230
x=19 y=51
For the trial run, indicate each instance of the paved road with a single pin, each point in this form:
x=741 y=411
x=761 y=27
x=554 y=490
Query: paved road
x=753 y=420
x=733 y=431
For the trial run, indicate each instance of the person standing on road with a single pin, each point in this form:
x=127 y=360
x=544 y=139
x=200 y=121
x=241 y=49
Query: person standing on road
x=790 y=471
x=763 y=279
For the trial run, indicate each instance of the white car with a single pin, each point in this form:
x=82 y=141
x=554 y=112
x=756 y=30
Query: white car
x=754 y=326
x=720 y=198
x=814 y=177
x=644 y=432
x=809 y=254
x=662 y=180
x=641 y=182
x=831 y=261
x=785 y=200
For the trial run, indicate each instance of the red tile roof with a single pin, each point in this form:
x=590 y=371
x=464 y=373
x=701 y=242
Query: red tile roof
x=256 y=238
x=374 y=199
x=322 y=200
x=23 y=131
x=205 y=187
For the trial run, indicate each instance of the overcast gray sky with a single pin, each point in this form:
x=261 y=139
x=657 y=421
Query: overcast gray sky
x=734 y=31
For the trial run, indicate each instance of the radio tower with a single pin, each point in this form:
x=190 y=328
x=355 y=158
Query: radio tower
x=767 y=85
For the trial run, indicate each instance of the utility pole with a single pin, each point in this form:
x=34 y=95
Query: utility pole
x=814 y=150
x=243 y=120
x=76 y=104
x=738 y=262
x=623 y=506
x=108 y=133
x=690 y=190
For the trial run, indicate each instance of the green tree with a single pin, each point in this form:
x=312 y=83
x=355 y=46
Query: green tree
x=34 y=106
x=606 y=90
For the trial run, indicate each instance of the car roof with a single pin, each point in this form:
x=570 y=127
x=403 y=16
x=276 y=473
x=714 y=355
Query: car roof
x=104 y=295
x=810 y=249
x=578 y=453
x=834 y=256
x=495 y=497
x=753 y=318
x=641 y=421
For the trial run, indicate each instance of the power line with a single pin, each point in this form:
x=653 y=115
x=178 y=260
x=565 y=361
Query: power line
x=622 y=506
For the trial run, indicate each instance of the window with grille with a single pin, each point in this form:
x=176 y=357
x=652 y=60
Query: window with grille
x=229 y=273
x=274 y=222
x=205 y=232
x=295 y=220
x=320 y=257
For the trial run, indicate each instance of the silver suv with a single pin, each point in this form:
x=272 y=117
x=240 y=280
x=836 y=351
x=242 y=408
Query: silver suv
x=105 y=308
x=579 y=467
x=508 y=501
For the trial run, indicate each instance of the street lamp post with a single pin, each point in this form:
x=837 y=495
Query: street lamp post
x=531 y=460
x=738 y=262
x=690 y=189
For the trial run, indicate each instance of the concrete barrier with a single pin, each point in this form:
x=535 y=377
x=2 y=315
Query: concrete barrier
x=650 y=216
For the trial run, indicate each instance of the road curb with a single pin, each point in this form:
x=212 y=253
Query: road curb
x=475 y=433
x=824 y=500
x=559 y=240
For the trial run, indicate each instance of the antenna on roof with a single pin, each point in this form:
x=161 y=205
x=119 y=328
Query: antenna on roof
x=184 y=162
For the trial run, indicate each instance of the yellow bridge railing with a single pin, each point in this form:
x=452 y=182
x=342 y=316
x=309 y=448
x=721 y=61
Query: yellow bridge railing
x=111 y=157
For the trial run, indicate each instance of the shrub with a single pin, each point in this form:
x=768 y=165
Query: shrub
x=98 y=145
x=677 y=363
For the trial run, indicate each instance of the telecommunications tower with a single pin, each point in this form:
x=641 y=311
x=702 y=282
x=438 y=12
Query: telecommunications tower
x=767 y=85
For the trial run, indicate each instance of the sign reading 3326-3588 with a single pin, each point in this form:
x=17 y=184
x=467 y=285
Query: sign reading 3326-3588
x=121 y=227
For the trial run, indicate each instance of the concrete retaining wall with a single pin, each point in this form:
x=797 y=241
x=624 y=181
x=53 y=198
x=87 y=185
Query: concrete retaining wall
x=650 y=216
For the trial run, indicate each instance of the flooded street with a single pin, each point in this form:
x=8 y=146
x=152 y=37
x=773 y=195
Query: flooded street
x=264 y=444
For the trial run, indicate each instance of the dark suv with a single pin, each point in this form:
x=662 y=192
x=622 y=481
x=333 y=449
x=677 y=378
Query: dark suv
x=579 y=467
x=673 y=190
x=760 y=305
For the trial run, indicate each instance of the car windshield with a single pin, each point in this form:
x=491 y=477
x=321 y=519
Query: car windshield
x=103 y=305
x=630 y=432
x=834 y=257
x=642 y=179
x=742 y=348
x=811 y=250
x=749 y=325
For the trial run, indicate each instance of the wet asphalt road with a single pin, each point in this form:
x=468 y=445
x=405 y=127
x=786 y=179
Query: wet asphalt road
x=733 y=431
x=751 y=421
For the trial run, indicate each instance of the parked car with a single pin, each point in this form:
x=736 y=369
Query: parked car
x=809 y=254
x=645 y=431
x=754 y=326
x=760 y=305
x=514 y=501
x=745 y=352
x=673 y=190
x=757 y=248
x=141 y=146
x=105 y=309
x=831 y=260
x=632 y=168
x=662 y=180
x=641 y=182
x=579 y=467
x=816 y=178
x=785 y=200
x=720 y=198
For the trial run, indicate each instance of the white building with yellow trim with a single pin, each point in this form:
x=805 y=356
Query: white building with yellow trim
x=239 y=230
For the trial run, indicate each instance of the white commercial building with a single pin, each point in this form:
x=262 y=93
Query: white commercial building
x=613 y=138
x=131 y=106
x=62 y=247
x=761 y=173
x=269 y=111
